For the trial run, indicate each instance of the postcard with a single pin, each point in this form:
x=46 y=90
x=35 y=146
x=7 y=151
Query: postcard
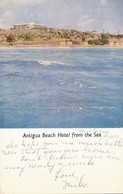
x=61 y=75
x=44 y=161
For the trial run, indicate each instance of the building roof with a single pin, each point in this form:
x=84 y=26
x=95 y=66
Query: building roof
x=26 y=24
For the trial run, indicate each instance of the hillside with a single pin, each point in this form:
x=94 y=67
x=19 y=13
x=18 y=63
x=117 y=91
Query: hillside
x=57 y=37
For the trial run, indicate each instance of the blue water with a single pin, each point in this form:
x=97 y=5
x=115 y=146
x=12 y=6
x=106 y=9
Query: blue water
x=61 y=88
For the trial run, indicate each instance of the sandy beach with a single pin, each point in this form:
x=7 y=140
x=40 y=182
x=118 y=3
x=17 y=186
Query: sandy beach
x=53 y=47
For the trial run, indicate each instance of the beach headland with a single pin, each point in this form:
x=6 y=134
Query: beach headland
x=58 y=38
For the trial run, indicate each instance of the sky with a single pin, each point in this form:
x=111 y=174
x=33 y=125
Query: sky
x=82 y=15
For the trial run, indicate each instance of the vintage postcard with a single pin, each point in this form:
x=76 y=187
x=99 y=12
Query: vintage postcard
x=61 y=96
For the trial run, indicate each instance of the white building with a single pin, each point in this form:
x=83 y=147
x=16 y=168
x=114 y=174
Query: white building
x=27 y=26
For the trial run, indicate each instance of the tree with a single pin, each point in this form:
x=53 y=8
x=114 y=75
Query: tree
x=28 y=37
x=105 y=36
x=104 y=41
x=83 y=38
x=75 y=42
x=11 y=38
x=98 y=42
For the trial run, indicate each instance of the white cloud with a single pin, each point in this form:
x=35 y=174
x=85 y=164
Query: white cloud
x=85 y=20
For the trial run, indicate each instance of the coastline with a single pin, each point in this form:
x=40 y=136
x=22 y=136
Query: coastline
x=53 y=47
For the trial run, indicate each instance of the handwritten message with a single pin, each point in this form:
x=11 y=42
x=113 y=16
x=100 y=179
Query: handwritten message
x=70 y=160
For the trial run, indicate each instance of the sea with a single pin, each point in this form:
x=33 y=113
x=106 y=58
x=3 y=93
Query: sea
x=61 y=88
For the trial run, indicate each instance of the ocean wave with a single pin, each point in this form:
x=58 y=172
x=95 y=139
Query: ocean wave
x=10 y=74
x=48 y=63
x=92 y=87
x=101 y=107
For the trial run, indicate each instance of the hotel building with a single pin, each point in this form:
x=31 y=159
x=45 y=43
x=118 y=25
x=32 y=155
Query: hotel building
x=27 y=26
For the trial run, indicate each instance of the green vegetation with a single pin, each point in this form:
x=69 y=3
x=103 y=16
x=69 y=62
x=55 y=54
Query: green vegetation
x=104 y=39
x=65 y=35
x=11 y=38
x=116 y=36
x=28 y=37
x=105 y=36
x=120 y=36
x=98 y=42
x=83 y=38
x=76 y=42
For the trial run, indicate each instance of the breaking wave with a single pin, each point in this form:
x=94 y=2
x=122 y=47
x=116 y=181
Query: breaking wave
x=48 y=63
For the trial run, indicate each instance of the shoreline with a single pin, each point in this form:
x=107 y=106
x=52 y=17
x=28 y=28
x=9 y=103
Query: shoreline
x=53 y=47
